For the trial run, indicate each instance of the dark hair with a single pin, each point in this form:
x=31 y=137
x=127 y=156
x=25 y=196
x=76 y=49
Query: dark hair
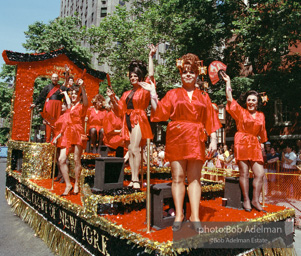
x=74 y=88
x=243 y=99
x=139 y=68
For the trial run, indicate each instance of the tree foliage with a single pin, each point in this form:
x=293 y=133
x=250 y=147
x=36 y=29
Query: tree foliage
x=183 y=26
x=7 y=76
x=60 y=33
x=265 y=32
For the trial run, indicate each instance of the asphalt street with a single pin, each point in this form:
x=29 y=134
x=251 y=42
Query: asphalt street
x=17 y=238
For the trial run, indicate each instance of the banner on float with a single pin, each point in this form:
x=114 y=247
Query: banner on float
x=95 y=240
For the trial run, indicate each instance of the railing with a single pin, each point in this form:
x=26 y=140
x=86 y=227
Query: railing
x=281 y=186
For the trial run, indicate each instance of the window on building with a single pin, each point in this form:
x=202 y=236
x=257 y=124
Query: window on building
x=92 y=16
x=122 y=3
x=282 y=114
x=221 y=113
x=103 y=12
x=220 y=135
x=159 y=132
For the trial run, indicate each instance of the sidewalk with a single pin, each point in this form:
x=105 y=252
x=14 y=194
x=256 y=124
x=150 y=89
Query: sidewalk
x=16 y=237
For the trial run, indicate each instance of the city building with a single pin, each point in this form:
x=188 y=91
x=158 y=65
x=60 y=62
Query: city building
x=91 y=12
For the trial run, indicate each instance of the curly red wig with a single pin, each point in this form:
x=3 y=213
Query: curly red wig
x=189 y=62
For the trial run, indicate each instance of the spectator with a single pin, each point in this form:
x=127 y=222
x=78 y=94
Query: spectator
x=273 y=156
x=289 y=158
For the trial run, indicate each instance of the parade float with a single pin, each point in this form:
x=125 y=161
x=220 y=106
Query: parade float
x=115 y=220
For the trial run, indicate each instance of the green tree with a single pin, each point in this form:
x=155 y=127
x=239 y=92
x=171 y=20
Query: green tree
x=265 y=34
x=7 y=77
x=184 y=26
x=265 y=31
x=60 y=33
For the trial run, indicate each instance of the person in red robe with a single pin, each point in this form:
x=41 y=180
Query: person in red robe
x=59 y=127
x=95 y=117
x=192 y=118
x=248 y=141
x=112 y=125
x=74 y=137
x=131 y=108
x=52 y=98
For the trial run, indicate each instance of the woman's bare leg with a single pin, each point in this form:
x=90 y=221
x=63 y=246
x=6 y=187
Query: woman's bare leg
x=93 y=139
x=78 y=167
x=178 y=187
x=194 y=168
x=134 y=154
x=258 y=171
x=64 y=169
x=244 y=182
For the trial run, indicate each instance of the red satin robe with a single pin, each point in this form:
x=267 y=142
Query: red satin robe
x=141 y=101
x=95 y=120
x=74 y=131
x=111 y=123
x=250 y=134
x=60 y=127
x=190 y=123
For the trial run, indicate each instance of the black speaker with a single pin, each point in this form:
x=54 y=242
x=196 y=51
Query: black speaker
x=160 y=196
x=233 y=192
x=104 y=150
x=108 y=173
x=16 y=159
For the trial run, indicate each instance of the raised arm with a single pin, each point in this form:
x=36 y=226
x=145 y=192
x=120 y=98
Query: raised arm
x=85 y=98
x=151 y=69
x=112 y=96
x=228 y=86
x=68 y=101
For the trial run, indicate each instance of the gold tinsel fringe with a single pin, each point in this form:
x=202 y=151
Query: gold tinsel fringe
x=57 y=241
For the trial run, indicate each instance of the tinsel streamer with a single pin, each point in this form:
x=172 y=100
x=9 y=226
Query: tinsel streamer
x=37 y=158
x=57 y=241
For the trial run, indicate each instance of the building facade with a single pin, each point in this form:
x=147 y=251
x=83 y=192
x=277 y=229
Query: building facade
x=91 y=12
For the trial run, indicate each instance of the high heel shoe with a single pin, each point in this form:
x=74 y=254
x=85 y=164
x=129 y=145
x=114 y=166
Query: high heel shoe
x=262 y=210
x=75 y=193
x=136 y=182
x=246 y=209
x=57 y=179
x=177 y=225
x=69 y=192
x=196 y=226
x=131 y=184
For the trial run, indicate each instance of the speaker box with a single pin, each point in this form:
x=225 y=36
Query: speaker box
x=17 y=159
x=162 y=206
x=108 y=173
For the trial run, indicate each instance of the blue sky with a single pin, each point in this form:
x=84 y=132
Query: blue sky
x=17 y=15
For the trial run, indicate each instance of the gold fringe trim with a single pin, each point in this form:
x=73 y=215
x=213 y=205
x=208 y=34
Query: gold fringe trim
x=57 y=241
